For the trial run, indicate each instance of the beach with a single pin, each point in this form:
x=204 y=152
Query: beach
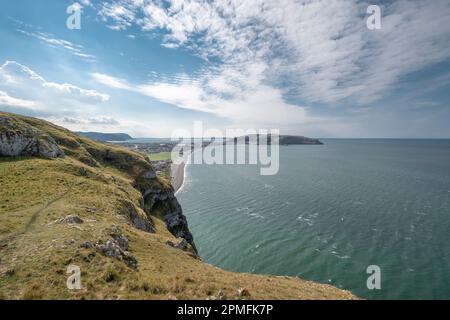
x=177 y=175
x=178 y=172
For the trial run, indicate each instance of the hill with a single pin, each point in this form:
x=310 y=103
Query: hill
x=282 y=140
x=295 y=140
x=70 y=201
x=104 y=137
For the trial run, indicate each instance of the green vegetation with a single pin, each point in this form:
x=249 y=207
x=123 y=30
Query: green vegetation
x=161 y=156
x=98 y=183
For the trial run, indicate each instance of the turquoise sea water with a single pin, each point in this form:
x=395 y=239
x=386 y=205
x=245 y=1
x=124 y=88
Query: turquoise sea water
x=332 y=211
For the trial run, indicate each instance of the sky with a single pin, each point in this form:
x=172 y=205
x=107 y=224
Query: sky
x=309 y=67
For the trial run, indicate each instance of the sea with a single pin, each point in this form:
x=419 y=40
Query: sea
x=331 y=213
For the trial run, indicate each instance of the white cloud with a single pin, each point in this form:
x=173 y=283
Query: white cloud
x=7 y=100
x=320 y=50
x=251 y=102
x=120 y=15
x=103 y=121
x=30 y=86
x=96 y=121
x=86 y=3
x=74 y=91
x=111 y=81
x=24 y=91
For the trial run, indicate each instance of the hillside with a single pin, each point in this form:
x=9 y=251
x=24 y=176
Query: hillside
x=282 y=140
x=104 y=137
x=295 y=140
x=67 y=200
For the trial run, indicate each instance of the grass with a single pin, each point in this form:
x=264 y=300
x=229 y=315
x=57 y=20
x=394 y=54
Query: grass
x=161 y=156
x=35 y=252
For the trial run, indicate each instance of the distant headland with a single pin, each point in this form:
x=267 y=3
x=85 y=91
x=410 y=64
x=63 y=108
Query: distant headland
x=282 y=140
x=105 y=137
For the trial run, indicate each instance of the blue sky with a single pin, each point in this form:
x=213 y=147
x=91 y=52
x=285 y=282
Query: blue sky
x=304 y=67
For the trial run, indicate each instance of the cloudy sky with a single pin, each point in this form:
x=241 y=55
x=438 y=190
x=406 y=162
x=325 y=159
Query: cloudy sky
x=311 y=67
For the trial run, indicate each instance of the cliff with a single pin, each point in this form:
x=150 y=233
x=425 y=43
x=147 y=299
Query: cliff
x=69 y=201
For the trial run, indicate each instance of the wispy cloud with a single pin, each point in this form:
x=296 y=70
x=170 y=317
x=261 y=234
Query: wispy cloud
x=7 y=100
x=46 y=95
x=253 y=103
x=111 y=81
x=320 y=50
x=103 y=121
x=52 y=40
x=23 y=90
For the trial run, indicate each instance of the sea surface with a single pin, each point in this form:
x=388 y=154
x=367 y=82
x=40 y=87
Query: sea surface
x=331 y=212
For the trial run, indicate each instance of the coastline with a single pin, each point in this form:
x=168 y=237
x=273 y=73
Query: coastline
x=103 y=199
x=177 y=175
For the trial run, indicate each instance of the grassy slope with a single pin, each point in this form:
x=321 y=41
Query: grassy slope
x=34 y=253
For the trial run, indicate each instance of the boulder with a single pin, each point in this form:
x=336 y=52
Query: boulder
x=122 y=241
x=87 y=245
x=182 y=244
x=70 y=219
x=114 y=250
x=244 y=293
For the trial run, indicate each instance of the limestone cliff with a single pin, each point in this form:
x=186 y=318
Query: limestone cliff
x=17 y=138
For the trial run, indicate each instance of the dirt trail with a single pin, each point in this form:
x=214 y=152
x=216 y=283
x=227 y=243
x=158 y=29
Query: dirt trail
x=4 y=242
x=36 y=214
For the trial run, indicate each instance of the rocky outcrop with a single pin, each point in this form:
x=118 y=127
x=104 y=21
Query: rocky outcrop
x=117 y=247
x=113 y=249
x=18 y=138
x=177 y=224
x=70 y=219
x=181 y=245
x=140 y=222
x=160 y=200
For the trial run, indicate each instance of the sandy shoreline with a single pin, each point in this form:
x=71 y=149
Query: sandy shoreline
x=177 y=175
